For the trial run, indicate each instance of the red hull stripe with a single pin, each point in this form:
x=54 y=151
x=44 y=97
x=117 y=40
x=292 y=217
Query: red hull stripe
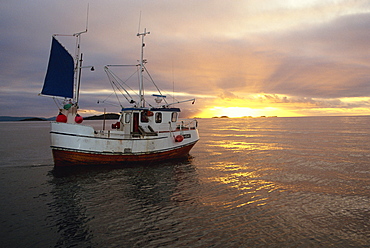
x=64 y=157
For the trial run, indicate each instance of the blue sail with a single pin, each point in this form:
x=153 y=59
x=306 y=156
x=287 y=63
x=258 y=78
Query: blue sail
x=59 y=78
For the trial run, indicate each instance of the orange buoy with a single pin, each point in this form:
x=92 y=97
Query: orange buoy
x=179 y=138
x=78 y=119
x=61 y=118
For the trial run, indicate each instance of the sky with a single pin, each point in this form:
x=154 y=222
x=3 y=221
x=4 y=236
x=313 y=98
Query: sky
x=237 y=58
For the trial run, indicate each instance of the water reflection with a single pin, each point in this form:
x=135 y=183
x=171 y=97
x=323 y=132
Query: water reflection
x=300 y=181
x=100 y=206
x=68 y=213
x=241 y=163
x=240 y=146
x=249 y=182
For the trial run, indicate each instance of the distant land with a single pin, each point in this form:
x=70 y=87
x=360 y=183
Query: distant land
x=263 y=116
x=34 y=119
x=110 y=116
x=24 y=118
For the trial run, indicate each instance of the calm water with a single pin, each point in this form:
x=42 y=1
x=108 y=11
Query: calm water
x=263 y=182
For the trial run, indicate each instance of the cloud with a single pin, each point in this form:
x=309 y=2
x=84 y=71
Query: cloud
x=313 y=53
x=228 y=95
x=328 y=61
x=313 y=103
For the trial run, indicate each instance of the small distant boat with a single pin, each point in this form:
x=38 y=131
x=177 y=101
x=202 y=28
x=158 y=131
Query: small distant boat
x=143 y=133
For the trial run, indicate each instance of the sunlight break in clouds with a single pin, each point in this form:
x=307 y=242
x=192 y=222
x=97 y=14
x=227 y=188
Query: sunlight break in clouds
x=285 y=58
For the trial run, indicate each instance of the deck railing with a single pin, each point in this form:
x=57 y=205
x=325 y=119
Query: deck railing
x=187 y=124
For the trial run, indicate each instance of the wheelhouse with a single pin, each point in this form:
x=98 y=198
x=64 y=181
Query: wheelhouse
x=147 y=121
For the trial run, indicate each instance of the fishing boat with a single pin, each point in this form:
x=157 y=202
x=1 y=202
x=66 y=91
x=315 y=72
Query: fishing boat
x=142 y=133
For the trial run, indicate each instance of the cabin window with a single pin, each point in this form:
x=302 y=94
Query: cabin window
x=158 y=117
x=127 y=118
x=144 y=117
x=174 y=117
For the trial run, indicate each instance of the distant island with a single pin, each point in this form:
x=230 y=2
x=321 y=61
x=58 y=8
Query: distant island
x=33 y=119
x=110 y=116
x=262 y=116
x=24 y=118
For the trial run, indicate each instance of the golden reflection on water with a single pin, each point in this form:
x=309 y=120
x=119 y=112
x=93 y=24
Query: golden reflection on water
x=250 y=188
x=251 y=165
x=235 y=172
x=242 y=146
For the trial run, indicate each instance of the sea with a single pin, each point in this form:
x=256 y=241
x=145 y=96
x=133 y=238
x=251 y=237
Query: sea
x=248 y=182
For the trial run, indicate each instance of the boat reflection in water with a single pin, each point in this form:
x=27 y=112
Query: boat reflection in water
x=110 y=205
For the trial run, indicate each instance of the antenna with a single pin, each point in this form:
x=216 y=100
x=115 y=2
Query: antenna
x=79 y=58
x=87 y=16
x=142 y=68
x=138 y=30
x=87 y=24
x=173 y=84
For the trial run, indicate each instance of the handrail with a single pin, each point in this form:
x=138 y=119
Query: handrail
x=187 y=124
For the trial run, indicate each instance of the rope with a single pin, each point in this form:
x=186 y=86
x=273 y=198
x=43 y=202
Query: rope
x=151 y=79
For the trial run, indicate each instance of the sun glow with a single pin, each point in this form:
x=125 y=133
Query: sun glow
x=237 y=112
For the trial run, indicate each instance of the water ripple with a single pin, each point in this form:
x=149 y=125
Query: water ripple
x=267 y=182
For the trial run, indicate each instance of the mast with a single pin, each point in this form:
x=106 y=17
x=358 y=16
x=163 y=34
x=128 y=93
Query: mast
x=78 y=66
x=142 y=61
x=63 y=76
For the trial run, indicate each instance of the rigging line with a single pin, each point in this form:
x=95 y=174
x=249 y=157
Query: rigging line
x=104 y=101
x=120 y=104
x=173 y=84
x=160 y=92
x=108 y=103
x=114 y=78
x=169 y=93
x=120 y=66
x=56 y=103
x=154 y=84
x=136 y=72
x=148 y=103
x=129 y=100
x=108 y=97
x=62 y=35
x=113 y=84
x=111 y=80
x=117 y=96
x=157 y=89
x=175 y=100
x=123 y=82
x=120 y=88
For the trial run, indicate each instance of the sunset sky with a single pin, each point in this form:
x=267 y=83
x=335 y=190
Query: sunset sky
x=237 y=58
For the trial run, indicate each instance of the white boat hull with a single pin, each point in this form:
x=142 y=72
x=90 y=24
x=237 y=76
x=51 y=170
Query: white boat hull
x=75 y=144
